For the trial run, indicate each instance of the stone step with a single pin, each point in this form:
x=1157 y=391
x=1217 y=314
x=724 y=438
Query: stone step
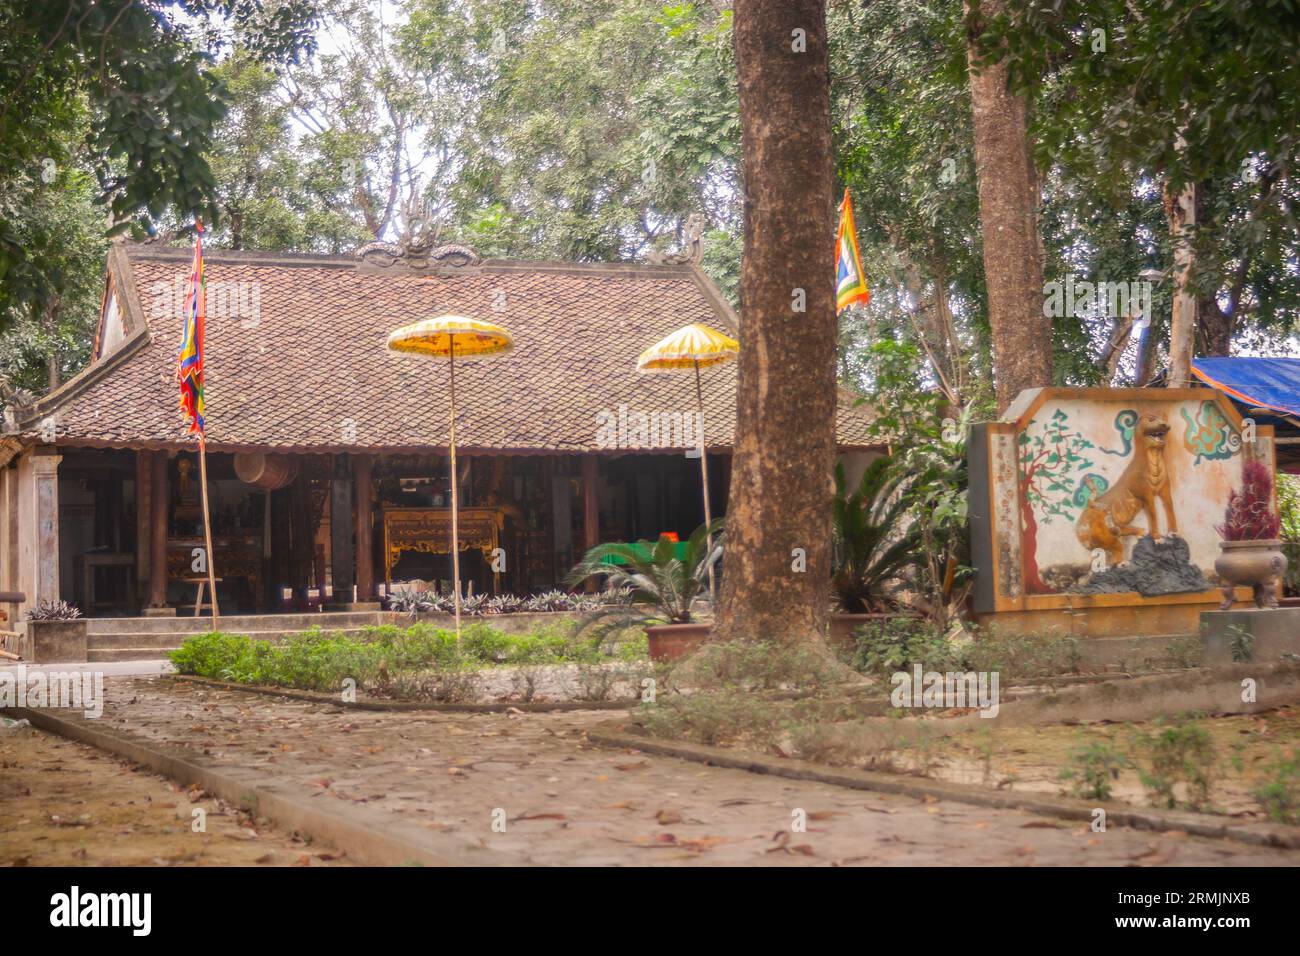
x=96 y=656
x=106 y=642
x=236 y=624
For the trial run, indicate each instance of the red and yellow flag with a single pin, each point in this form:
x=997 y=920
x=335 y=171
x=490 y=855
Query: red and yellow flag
x=850 y=283
x=189 y=364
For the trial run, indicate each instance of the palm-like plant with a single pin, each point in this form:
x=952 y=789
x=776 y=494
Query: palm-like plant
x=870 y=548
x=657 y=586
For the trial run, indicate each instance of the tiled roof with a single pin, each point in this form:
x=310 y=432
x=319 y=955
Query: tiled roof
x=308 y=370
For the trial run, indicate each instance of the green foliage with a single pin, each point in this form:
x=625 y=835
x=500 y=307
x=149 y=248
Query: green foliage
x=753 y=666
x=1241 y=643
x=584 y=131
x=1185 y=650
x=316 y=660
x=124 y=90
x=46 y=339
x=871 y=546
x=655 y=585
x=210 y=655
x=1202 y=93
x=1287 y=489
x=889 y=645
x=1280 y=796
x=1024 y=656
x=723 y=716
x=1180 y=751
x=927 y=470
x=1093 y=769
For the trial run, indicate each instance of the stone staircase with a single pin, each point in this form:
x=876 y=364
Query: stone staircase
x=151 y=638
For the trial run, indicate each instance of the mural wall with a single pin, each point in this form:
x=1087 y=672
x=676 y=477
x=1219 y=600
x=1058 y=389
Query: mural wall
x=1106 y=491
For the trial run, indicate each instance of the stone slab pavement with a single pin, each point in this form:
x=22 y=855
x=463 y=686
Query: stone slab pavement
x=565 y=801
x=142 y=668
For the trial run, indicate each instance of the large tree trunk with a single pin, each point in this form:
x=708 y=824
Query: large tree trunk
x=1009 y=200
x=775 y=584
x=1180 y=210
x=1217 y=327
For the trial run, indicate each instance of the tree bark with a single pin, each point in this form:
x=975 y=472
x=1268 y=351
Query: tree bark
x=1009 y=201
x=1180 y=210
x=1217 y=327
x=53 y=378
x=777 y=565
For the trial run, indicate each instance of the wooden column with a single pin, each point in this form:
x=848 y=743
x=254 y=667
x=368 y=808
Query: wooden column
x=45 y=477
x=143 y=483
x=159 y=496
x=303 y=546
x=342 y=567
x=561 y=519
x=590 y=508
x=363 y=520
x=9 y=542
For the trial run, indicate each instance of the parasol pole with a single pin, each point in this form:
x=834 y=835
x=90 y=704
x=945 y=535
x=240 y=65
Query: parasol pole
x=704 y=470
x=207 y=527
x=455 y=500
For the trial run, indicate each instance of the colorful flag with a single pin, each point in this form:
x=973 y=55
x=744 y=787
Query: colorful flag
x=189 y=364
x=850 y=284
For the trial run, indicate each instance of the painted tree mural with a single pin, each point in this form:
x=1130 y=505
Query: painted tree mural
x=1051 y=459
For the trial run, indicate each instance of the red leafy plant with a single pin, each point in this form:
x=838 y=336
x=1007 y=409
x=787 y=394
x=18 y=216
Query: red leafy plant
x=1250 y=515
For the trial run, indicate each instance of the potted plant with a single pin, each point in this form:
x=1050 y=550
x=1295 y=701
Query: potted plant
x=869 y=548
x=55 y=634
x=657 y=587
x=1251 y=553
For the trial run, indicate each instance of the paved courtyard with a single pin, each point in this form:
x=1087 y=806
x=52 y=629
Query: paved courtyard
x=565 y=801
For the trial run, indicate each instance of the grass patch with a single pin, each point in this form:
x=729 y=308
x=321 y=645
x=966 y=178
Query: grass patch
x=1280 y=795
x=885 y=647
x=421 y=661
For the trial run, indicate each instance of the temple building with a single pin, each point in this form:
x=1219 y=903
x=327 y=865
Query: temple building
x=327 y=453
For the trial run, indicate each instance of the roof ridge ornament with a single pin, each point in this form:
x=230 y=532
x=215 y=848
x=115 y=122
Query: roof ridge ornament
x=692 y=251
x=416 y=254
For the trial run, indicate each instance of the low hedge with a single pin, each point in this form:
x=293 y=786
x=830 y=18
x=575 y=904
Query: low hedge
x=317 y=660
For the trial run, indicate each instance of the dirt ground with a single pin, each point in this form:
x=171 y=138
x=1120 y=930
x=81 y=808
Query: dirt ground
x=68 y=804
x=1031 y=758
x=556 y=799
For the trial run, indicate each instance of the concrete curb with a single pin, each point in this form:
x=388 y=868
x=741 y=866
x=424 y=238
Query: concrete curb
x=613 y=734
x=316 y=697
x=367 y=836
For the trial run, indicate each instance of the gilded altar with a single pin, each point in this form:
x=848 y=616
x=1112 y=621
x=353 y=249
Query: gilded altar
x=428 y=530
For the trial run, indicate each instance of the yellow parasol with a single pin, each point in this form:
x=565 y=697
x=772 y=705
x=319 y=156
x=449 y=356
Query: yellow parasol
x=693 y=347
x=452 y=336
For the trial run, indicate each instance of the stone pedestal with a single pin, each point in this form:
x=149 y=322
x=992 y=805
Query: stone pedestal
x=54 y=642
x=158 y=612
x=1257 y=635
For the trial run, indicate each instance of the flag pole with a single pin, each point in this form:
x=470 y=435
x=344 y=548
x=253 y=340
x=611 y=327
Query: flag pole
x=207 y=528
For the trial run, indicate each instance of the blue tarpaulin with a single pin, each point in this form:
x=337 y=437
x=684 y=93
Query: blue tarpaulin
x=1272 y=383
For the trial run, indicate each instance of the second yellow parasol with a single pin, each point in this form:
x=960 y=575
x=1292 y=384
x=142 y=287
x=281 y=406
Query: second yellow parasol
x=452 y=337
x=693 y=347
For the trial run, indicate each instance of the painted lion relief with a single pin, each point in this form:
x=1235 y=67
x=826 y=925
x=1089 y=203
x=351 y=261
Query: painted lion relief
x=1107 y=517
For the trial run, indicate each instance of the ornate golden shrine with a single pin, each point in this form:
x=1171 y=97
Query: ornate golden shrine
x=428 y=530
